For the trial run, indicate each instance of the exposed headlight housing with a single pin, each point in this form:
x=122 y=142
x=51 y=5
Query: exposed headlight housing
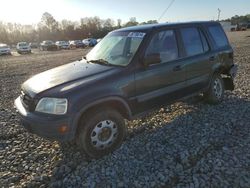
x=52 y=106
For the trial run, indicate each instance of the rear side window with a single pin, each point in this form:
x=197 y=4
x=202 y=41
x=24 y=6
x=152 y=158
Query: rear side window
x=218 y=35
x=192 y=41
x=164 y=43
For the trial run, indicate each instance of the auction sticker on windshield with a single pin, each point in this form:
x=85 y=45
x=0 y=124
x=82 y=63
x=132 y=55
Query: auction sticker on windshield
x=136 y=34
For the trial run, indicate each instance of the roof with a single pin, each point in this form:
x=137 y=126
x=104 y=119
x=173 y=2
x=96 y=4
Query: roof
x=157 y=26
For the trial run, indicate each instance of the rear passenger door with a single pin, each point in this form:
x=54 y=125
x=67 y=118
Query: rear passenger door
x=197 y=58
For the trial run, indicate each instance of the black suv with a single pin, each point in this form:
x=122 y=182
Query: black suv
x=131 y=71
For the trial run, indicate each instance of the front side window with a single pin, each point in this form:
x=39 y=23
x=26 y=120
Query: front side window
x=164 y=43
x=192 y=41
x=117 y=48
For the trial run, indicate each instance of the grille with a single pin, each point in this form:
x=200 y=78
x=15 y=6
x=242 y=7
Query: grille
x=27 y=101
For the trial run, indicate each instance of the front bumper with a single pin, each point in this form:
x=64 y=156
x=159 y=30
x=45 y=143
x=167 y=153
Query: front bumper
x=24 y=50
x=45 y=126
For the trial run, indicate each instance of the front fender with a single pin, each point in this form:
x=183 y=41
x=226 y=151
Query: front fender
x=80 y=112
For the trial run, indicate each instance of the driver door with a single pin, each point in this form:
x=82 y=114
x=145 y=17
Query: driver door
x=163 y=80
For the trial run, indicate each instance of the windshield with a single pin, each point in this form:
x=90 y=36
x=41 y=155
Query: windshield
x=23 y=44
x=48 y=42
x=117 y=48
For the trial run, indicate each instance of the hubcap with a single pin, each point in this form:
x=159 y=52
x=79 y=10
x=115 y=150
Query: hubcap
x=217 y=88
x=103 y=134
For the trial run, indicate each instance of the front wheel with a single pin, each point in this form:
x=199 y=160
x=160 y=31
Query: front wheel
x=101 y=131
x=215 y=93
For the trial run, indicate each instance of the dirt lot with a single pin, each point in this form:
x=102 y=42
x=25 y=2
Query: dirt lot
x=187 y=144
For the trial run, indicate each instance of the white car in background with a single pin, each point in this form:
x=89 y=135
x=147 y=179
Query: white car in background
x=89 y=42
x=98 y=40
x=86 y=42
x=4 y=49
x=62 y=45
x=23 y=47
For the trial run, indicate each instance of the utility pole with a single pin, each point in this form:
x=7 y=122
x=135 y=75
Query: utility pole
x=219 y=11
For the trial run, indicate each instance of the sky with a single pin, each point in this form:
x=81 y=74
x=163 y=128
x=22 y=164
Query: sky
x=30 y=11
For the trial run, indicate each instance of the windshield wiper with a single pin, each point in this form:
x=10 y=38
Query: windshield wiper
x=100 y=61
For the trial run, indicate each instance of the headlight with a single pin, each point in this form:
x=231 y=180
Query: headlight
x=52 y=106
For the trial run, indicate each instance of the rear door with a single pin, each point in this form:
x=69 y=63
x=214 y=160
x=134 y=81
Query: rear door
x=196 y=58
x=160 y=83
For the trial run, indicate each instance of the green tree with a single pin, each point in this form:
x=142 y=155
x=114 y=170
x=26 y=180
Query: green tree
x=132 y=22
x=149 y=22
x=49 y=22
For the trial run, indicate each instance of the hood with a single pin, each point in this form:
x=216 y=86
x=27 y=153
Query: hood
x=78 y=70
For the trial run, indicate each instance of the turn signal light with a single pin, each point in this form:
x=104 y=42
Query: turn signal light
x=63 y=129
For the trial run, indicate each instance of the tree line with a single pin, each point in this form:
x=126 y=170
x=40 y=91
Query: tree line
x=239 y=19
x=51 y=29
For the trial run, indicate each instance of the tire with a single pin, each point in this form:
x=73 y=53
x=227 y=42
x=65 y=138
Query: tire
x=215 y=93
x=100 y=132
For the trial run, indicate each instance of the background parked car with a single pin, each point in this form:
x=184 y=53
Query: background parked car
x=76 y=44
x=90 y=42
x=243 y=26
x=4 y=49
x=98 y=40
x=23 y=47
x=248 y=25
x=48 y=45
x=34 y=45
x=62 y=45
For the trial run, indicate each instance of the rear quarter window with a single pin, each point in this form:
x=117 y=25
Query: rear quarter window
x=218 y=35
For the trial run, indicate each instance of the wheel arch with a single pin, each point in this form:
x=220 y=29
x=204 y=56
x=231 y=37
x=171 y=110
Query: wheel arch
x=116 y=103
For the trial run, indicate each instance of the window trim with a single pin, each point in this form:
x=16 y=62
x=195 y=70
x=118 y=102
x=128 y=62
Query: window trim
x=201 y=32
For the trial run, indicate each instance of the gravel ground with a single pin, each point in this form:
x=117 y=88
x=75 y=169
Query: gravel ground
x=187 y=144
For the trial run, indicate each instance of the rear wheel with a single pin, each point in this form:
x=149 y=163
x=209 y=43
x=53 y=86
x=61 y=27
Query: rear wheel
x=101 y=132
x=216 y=90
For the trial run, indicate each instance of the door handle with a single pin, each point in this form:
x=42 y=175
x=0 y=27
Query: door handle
x=177 y=68
x=212 y=58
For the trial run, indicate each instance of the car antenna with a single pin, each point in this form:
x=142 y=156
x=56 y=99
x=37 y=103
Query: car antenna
x=164 y=12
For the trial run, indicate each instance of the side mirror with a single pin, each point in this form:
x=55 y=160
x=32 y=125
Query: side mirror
x=150 y=59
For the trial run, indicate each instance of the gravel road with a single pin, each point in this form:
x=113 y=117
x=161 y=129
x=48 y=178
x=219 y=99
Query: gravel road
x=187 y=144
